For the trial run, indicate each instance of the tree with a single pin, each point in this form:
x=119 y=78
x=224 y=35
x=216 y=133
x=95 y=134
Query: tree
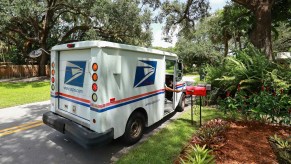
x=263 y=11
x=182 y=16
x=197 y=47
x=30 y=24
x=282 y=38
x=230 y=24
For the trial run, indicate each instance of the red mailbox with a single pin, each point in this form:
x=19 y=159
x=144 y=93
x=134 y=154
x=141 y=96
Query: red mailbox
x=189 y=90
x=197 y=91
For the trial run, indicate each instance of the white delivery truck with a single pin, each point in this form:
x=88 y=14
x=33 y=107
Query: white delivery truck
x=102 y=90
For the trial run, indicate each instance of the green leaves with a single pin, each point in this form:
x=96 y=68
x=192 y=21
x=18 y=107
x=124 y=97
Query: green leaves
x=198 y=155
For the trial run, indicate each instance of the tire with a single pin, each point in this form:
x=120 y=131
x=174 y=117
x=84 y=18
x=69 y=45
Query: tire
x=180 y=107
x=134 y=128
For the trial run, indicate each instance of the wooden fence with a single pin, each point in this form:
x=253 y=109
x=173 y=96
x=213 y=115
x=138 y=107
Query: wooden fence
x=12 y=71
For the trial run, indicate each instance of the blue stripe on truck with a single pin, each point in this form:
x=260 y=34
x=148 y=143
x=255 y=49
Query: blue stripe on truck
x=125 y=103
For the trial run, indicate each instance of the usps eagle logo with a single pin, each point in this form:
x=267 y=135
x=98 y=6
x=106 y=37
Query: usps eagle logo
x=75 y=72
x=145 y=73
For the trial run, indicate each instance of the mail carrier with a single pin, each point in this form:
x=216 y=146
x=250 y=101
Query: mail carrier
x=101 y=90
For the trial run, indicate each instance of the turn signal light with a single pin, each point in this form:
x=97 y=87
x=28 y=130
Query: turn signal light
x=95 y=77
x=95 y=67
x=94 y=87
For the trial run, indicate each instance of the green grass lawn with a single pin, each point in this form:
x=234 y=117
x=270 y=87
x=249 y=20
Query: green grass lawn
x=165 y=146
x=12 y=94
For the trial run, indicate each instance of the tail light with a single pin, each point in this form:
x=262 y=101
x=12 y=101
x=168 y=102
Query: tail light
x=53 y=87
x=95 y=67
x=94 y=97
x=94 y=77
x=94 y=87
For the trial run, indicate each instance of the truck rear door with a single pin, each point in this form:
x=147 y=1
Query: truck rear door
x=74 y=85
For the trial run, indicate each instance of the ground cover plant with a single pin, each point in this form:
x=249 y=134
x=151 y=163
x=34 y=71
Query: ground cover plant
x=282 y=147
x=209 y=136
x=236 y=142
x=17 y=93
x=165 y=146
x=197 y=155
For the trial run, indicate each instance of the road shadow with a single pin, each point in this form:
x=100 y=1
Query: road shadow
x=25 y=114
x=46 y=145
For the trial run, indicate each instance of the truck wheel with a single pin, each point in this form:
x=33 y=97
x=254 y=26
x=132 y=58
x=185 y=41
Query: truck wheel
x=134 y=128
x=180 y=107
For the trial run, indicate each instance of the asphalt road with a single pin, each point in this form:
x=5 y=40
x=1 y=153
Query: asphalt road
x=37 y=143
x=24 y=139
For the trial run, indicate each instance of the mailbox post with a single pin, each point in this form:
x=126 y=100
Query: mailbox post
x=197 y=91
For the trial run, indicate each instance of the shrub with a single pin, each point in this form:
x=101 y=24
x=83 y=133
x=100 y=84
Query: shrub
x=282 y=148
x=264 y=106
x=248 y=69
x=211 y=133
x=198 y=155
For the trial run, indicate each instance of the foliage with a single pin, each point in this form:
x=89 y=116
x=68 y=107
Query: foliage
x=165 y=145
x=282 y=148
x=198 y=155
x=264 y=106
x=182 y=16
x=281 y=143
x=211 y=133
x=267 y=13
x=281 y=39
x=248 y=70
x=230 y=24
x=196 y=48
x=29 y=24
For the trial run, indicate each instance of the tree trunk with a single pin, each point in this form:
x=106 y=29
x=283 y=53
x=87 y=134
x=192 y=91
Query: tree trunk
x=261 y=33
x=42 y=63
x=225 y=47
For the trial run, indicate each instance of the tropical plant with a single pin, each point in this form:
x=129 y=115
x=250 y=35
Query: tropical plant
x=282 y=147
x=266 y=106
x=211 y=133
x=249 y=70
x=198 y=155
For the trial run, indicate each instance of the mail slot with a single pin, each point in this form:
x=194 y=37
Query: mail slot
x=197 y=91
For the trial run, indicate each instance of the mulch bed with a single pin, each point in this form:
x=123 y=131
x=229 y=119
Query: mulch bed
x=247 y=142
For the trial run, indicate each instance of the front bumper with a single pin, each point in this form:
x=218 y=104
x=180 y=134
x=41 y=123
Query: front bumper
x=78 y=133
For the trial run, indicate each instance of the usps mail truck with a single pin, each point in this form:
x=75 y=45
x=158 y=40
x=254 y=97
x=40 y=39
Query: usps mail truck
x=102 y=90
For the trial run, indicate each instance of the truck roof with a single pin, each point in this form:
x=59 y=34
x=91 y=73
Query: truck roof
x=105 y=44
